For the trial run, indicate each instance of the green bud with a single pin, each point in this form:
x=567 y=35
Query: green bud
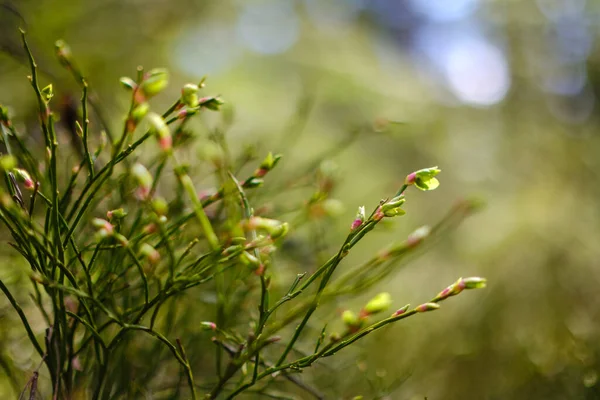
x=7 y=162
x=118 y=213
x=474 y=282
x=208 y=326
x=270 y=161
x=160 y=206
x=212 y=103
x=350 y=318
x=156 y=80
x=47 y=93
x=140 y=111
x=189 y=95
x=158 y=125
x=249 y=260
x=150 y=253
x=4 y=114
x=427 y=307
x=127 y=83
x=143 y=178
x=424 y=179
x=379 y=303
x=63 y=52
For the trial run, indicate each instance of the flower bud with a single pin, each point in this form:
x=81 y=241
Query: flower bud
x=7 y=162
x=63 y=52
x=250 y=260
x=474 y=282
x=24 y=177
x=274 y=227
x=155 y=81
x=401 y=311
x=127 y=83
x=424 y=179
x=150 y=253
x=189 y=95
x=212 y=103
x=360 y=218
x=208 y=326
x=350 y=318
x=118 y=213
x=140 y=111
x=379 y=303
x=4 y=118
x=427 y=307
x=144 y=180
x=391 y=208
x=160 y=206
x=105 y=229
x=268 y=164
x=161 y=130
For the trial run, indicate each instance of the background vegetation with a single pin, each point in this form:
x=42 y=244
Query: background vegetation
x=501 y=94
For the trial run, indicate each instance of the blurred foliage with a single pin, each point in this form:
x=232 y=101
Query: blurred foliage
x=501 y=94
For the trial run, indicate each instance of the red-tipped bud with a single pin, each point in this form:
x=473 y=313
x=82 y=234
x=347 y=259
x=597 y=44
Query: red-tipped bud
x=423 y=179
x=149 y=253
x=208 y=326
x=360 y=218
x=427 y=307
x=116 y=214
x=401 y=311
x=24 y=177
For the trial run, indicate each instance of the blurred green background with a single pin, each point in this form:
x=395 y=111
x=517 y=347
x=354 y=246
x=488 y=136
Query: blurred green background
x=502 y=95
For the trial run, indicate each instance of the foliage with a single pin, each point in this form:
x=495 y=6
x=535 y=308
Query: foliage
x=112 y=262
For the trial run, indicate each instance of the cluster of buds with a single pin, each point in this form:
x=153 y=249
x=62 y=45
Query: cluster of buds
x=460 y=285
x=273 y=227
x=267 y=165
x=390 y=208
x=106 y=230
x=143 y=179
x=153 y=82
x=377 y=304
x=423 y=179
x=159 y=127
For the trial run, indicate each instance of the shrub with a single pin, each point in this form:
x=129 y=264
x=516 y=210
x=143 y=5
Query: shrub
x=112 y=262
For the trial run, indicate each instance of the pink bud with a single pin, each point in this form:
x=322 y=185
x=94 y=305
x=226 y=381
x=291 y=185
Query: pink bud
x=165 y=143
x=410 y=178
x=378 y=216
x=355 y=224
